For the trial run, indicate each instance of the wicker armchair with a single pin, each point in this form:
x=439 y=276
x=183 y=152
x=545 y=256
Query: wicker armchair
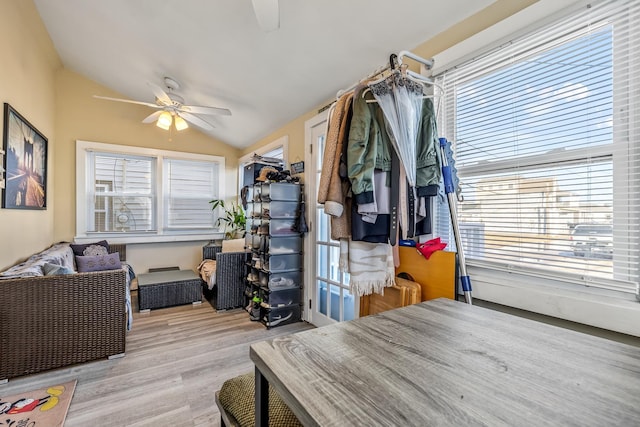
x=48 y=322
x=230 y=273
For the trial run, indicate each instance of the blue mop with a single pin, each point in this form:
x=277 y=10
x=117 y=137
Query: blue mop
x=449 y=189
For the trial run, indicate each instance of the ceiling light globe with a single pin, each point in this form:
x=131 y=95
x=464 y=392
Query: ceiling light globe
x=164 y=120
x=180 y=123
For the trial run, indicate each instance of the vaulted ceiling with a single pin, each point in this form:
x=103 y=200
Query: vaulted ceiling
x=220 y=56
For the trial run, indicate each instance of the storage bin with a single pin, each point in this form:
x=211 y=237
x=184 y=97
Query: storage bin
x=272 y=317
x=279 y=209
x=280 y=191
x=276 y=245
x=252 y=172
x=277 y=263
x=280 y=280
x=281 y=298
x=282 y=227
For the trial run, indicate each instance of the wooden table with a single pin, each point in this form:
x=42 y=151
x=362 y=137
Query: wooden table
x=443 y=362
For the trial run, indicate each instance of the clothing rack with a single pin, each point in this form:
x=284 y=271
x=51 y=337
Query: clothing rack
x=397 y=61
x=400 y=57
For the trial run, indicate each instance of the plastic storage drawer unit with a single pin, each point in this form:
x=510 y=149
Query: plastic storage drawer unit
x=287 y=262
x=271 y=299
x=282 y=227
x=281 y=245
x=280 y=191
x=283 y=280
x=279 y=209
x=281 y=316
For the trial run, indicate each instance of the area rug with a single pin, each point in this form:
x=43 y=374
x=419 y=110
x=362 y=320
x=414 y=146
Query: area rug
x=45 y=407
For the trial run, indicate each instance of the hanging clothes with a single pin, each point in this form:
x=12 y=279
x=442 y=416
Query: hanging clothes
x=334 y=187
x=371 y=267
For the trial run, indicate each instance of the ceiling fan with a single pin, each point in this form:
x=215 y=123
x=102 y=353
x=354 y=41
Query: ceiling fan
x=171 y=108
x=268 y=14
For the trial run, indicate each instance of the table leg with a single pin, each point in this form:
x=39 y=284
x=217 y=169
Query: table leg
x=262 y=400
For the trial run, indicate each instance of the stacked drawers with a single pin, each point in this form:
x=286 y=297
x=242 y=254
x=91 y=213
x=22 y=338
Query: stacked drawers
x=274 y=279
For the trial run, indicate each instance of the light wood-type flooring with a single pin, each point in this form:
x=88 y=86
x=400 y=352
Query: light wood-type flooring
x=176 y=359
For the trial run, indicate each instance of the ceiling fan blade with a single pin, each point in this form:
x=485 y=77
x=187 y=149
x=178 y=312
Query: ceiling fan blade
x=152 y=117
x=160 y=94
x=148 y=104
x=268 y=14
x=196 y=121
x=205 y=110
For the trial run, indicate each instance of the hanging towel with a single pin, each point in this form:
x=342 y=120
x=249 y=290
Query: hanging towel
x=371 y=267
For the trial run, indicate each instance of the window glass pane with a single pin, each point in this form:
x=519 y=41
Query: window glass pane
x=323 y=261
x=530 y=218
x=335 y=302
x=322 y=221
x=544 y=130
x=322 y=297
x=189 y=186
x=349 y=302
x=123 y=194
x=334 y=273
x=559 y=99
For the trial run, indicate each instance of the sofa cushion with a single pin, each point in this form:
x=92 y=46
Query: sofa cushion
x=98 y=263
x=59 y=254
x=89 y=249
x=55 y=270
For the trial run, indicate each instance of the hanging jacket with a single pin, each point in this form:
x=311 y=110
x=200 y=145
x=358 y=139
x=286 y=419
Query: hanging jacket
x=369 y=147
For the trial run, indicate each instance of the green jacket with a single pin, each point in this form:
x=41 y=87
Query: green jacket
x=370 y=148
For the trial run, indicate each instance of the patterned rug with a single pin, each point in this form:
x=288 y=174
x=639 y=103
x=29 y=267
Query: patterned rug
x=45 y=407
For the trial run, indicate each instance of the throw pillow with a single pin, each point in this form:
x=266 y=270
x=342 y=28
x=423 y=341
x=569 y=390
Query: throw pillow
x=55 y=270
x=98 y=263
x=79 y=250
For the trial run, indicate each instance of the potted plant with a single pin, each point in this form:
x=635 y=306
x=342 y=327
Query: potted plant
x=233 y=218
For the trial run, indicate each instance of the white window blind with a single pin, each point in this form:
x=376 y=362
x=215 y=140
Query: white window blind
x=545 y=133
x=189 y=185
x=138 y=194
x=122 y=196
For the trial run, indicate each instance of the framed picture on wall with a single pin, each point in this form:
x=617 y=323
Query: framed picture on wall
x=25 y=163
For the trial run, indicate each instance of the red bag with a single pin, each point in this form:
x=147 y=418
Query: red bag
x=430 y=246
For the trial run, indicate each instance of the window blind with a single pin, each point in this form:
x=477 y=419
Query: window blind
x=545 y=132
x=190 y=185
x=123 y=196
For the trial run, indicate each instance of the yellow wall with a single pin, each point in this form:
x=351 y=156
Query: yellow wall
x=82 y=117
x=59 y=103
x=29 y=62
x=487 y=17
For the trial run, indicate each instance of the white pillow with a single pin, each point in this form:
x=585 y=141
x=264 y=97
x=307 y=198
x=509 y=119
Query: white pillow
x=234 y=245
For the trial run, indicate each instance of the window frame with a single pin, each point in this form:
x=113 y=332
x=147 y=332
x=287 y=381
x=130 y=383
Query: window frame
x=618 y=311
x=161 y=233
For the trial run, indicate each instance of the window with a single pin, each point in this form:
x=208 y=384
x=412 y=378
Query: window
x=142 y=195
x=189 y=186
x=544 y=130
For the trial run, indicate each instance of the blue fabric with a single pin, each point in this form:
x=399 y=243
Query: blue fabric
x=56 y=270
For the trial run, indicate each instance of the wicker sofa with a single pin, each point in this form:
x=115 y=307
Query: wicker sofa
x=48 y=322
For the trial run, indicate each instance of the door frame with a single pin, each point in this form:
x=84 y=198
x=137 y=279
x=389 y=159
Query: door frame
x=310 y=185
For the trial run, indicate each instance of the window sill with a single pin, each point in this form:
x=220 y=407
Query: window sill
x=131 y=239
x=595 y=307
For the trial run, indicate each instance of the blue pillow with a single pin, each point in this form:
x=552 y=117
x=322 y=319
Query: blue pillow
x=56 y=270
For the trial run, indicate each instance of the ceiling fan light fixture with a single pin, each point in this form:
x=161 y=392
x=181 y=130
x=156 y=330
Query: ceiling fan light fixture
x=164 y=120
x=180 y=123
